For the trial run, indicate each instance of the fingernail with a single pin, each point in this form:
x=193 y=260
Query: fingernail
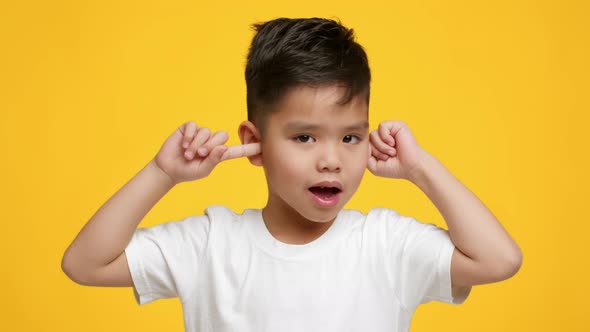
x=202 y=151
x=189 y=155
x=391 y=152
x=185 y=145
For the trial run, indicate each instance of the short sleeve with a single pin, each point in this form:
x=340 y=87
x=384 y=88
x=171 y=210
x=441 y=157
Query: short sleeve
x=420 y=255
x=163 y=259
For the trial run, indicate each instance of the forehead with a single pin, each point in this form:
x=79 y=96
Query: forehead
x=320 y=104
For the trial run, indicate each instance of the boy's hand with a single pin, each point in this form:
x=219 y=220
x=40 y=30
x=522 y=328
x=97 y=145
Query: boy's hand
x=394 y=151
x=192 y=152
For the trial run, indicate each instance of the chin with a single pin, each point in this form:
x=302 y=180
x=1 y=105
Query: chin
x=321 y=216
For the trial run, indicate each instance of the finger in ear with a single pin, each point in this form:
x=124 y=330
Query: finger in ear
x=249 y=133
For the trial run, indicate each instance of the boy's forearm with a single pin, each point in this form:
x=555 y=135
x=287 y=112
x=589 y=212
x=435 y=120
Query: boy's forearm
x=106 y=235
x=473 y=228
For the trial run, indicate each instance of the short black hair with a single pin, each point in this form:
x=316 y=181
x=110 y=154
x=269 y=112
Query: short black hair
x=286 y=52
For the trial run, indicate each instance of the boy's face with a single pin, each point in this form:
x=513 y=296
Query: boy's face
x=314 y=152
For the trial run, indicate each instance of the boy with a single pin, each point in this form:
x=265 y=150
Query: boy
x=302 y=263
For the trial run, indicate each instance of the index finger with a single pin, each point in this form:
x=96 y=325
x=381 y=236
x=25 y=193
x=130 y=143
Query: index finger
x=245 y=150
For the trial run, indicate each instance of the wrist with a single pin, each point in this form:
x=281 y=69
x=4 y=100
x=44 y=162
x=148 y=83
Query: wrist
x=160 y=174
x=420 y=173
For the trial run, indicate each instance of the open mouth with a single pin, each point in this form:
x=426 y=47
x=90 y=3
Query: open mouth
x=325 y=192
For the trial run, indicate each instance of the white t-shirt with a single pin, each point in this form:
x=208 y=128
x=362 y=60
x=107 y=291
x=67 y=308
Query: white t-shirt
x=365 y=273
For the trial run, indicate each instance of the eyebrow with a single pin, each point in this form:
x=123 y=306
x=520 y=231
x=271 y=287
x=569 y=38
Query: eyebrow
x=305 y=126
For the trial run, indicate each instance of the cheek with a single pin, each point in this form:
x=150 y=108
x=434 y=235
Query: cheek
x=293 y=167
x=357 y=167
x=288 y=165
x=357 y=163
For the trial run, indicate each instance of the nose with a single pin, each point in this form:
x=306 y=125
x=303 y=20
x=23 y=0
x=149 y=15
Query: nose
x=329 y=160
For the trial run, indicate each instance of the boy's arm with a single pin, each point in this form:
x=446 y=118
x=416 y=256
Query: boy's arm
x=106 y=235
x=485 y=253
x=97 y=255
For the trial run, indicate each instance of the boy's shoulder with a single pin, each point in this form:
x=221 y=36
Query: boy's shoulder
x=379 y=229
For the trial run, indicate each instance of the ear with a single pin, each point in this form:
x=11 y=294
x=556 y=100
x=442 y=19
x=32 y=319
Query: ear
x=250 y=134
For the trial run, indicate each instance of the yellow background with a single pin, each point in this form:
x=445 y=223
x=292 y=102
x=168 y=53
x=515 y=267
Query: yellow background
x=89 y=90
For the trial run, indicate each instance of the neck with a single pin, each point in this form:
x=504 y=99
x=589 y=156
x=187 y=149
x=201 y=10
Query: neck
x=288 y=226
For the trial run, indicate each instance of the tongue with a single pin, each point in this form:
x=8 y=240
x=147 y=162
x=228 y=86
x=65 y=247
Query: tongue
x=322 y=192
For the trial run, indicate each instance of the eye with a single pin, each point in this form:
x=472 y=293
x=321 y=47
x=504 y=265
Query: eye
x=304 y=139
x=353 y=139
